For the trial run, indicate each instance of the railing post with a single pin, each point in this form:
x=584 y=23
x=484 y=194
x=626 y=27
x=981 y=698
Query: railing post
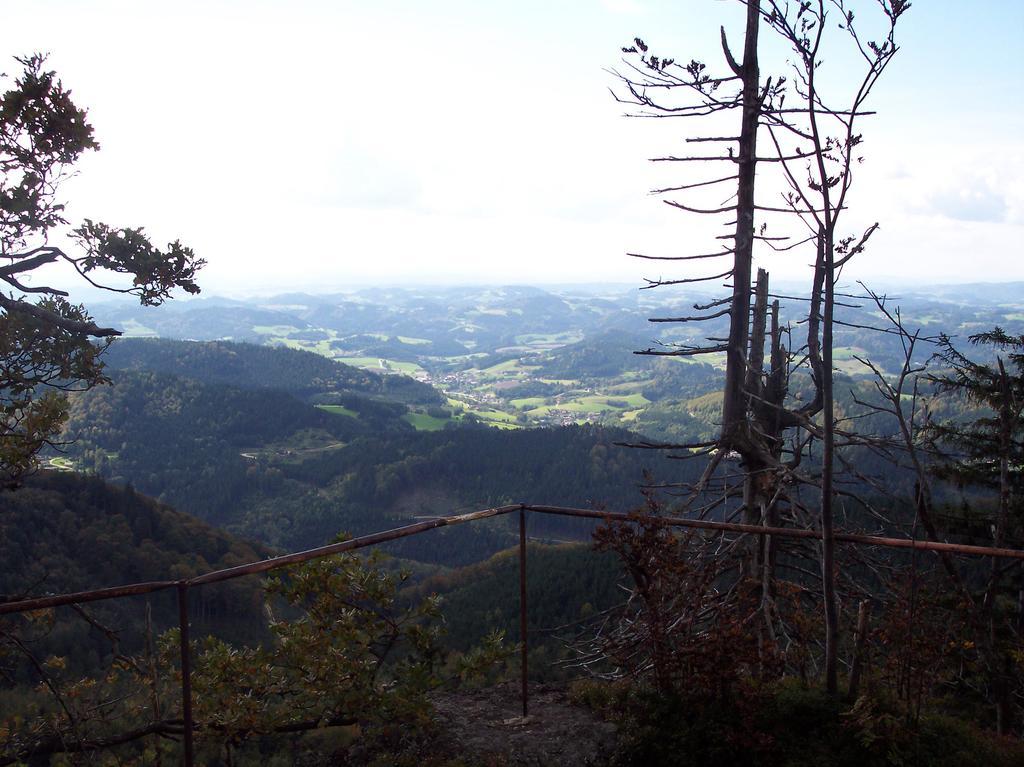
x=524 y=648
x=860 y=640
x=186 y=674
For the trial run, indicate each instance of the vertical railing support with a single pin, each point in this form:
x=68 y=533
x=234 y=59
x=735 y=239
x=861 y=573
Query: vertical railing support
x=860 y=642
x=524 y=647
x=186 y=674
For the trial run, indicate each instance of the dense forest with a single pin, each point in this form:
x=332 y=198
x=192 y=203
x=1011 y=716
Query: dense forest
x=64 y=532
x=272 y=468
x=820 y=559
x=248 y=366
x=329 y=449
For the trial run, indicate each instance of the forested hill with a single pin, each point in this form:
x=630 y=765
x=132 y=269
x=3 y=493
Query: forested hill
x=610 y=354
x=191 y=444
x=574 y=465
x=249 y=366
x=64 y=532
x=517 y=356
x=273 y=469
x=566 y=583
x=158 y=408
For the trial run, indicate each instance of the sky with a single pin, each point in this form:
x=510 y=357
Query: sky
x=326 y=145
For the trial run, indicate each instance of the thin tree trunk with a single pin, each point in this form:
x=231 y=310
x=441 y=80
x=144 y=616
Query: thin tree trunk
x=755 y=498
x=734 y=410
x=856 y=666
x=828 y=546
x=999 y=663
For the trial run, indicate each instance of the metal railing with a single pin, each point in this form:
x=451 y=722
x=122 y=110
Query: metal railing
x=266 y=565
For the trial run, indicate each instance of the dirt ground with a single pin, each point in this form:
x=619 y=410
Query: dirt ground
x=486 y=728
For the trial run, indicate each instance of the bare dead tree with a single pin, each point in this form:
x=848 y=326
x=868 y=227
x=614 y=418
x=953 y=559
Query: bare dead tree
x=815 y=149
x=972 y=453
x=818 y=196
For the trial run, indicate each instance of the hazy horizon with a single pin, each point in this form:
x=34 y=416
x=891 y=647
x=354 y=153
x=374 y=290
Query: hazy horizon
x=341 y=143
x=94 y=296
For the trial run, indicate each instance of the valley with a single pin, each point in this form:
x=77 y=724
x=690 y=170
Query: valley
x=330 y=437
x=270 y=433
x=289 y=448
x=520 y=357
x=458 y=398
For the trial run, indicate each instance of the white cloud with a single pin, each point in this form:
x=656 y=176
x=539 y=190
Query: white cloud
x=346 y=140
x=974 y=199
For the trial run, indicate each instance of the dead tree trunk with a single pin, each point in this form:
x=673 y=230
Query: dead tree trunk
x=756 y=484
x=734 y=404
x=828 y=544
x=754 y=414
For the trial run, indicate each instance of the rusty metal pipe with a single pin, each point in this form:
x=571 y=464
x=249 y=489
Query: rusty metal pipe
x=783 y=532
x=186 y=674
x=79 y=597
x=262 y=566
x=524 y=645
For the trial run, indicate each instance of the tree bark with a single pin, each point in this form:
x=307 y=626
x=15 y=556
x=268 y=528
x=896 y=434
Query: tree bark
x=853 y=688
x=755 y=497
x=734 y=410
x=828 y=546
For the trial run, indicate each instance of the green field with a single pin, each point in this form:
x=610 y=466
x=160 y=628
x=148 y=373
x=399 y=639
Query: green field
x=274 y=330
x=323 y=347
x=507 y=369
x=715 y=359
x=339 y=410
x=497 y=416
x=847 y=352
x=497 y=423
x=527 y=402
x=361 y=362
x=632 y=381
x=844 y=362
x=587 y=405
x=460 y=358
x=489 y=415
x=135 y=329
x=379 y=364
x=592 y=403
x=425 y=422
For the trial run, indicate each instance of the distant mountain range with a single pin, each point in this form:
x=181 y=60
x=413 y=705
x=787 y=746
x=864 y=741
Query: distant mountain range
x=450 y=321
x=513 y=356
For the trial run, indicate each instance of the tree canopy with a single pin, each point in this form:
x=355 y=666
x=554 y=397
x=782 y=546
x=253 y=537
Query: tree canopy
x=47 y=343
